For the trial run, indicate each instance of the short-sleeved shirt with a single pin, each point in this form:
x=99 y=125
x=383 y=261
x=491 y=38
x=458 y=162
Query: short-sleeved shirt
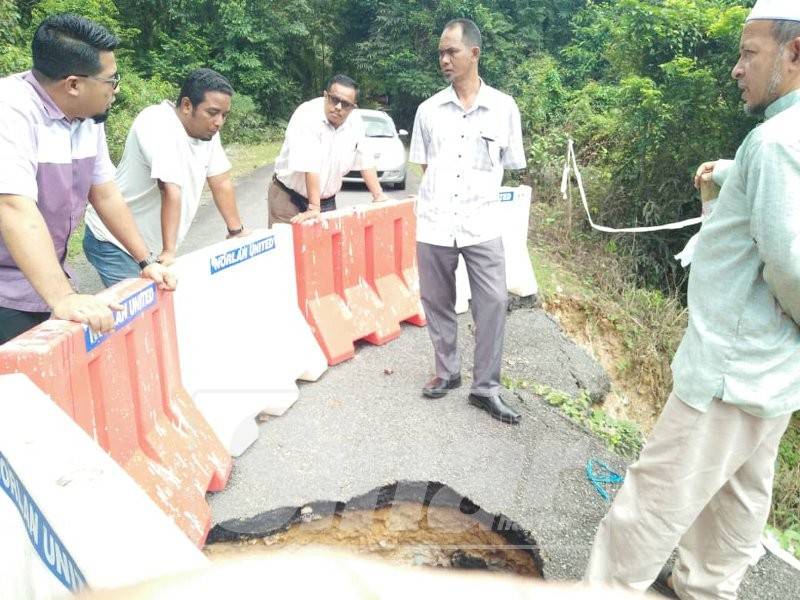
x=52 y=160
x=742 y=344
x=158 y=148
x=313 y=145
x=465 y=152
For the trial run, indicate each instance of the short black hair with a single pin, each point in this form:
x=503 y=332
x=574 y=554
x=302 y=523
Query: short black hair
x=201 y=81
x=68 y=44
x=470 y=34
x=343 y=80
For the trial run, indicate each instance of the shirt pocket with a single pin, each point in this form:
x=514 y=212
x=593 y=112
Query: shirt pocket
x=487 y=151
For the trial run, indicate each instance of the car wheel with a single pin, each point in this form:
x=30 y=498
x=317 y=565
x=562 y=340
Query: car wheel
x=401 y=185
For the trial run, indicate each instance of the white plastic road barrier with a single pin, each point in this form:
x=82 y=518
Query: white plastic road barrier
x=515 y=210
x=242 y=340
x=70 y=517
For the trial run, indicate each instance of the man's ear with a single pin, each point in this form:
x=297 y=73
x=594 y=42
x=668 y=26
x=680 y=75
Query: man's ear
x=70 y=85
x=793 y=51
x=186 y=105
x=476 y=53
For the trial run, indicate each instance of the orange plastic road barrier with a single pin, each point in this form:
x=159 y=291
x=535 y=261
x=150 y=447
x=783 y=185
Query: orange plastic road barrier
x=357 y=276
x=124 y=389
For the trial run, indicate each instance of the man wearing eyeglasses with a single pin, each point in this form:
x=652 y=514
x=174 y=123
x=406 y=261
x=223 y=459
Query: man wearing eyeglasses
x=54 y=159
x=172 y=150
x=322 y=144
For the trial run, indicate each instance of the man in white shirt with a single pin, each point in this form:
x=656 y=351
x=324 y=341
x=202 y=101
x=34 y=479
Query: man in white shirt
x=322 y=143
x=464 y=137
x=170 y=153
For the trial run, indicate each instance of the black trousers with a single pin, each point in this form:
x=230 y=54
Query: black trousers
x=14 y=322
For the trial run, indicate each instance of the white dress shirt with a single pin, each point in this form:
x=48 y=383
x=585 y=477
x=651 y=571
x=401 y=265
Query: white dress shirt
x=313 y=145
x=465 y=152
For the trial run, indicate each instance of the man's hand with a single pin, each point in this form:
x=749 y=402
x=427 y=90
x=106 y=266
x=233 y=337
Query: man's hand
x=382 y=197
x=704 y=181
x=167 y=257
x=243 y=233
x=311 y=213
x=704 y=173
x=163 y=276
x=94 y=311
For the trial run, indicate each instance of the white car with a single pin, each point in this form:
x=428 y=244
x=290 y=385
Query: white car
x=383 y=144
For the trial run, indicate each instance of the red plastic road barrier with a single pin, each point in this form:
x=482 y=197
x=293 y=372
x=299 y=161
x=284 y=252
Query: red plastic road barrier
x=357 y=276
x=125 y=391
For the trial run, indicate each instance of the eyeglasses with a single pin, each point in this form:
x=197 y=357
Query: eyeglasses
x=335 y=100
x=113 y=81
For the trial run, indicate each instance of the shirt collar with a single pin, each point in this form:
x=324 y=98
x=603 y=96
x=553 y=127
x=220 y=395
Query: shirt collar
x=782 y=103
x=50 y=107
x=482 y=99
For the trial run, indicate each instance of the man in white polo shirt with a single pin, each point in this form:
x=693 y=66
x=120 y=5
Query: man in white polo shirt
x=464 y=137
x=170 y=153
x=322 y=143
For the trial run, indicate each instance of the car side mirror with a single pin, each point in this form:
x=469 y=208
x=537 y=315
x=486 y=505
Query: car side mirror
x=402 y=132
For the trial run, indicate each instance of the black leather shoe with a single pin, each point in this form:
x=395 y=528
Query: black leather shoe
x=496 y=406
x=438 y=387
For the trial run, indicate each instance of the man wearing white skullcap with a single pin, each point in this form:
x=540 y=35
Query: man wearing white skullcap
x=703 y=482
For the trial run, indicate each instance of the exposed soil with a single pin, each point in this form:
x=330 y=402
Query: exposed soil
x=628 y=398
x=403 y=533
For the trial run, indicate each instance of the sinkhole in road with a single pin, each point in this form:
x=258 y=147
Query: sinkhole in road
x=406 y=523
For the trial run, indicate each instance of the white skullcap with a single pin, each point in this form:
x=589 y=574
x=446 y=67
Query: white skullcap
x=775 y=10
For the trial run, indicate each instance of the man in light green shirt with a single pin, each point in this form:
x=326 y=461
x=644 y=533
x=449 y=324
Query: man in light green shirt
x=704 y=480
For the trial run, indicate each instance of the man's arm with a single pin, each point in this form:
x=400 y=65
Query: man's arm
x=225 y=199
x=373 y=185
x=116 y=216
x=773 y=182
x=313 y=194
x=420 y=140
x=28 y=240
x=170 y=220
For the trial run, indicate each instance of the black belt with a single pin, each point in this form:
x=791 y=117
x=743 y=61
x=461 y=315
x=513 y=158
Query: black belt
x=301 y=202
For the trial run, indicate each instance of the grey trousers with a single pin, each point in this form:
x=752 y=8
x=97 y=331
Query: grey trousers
x=486 y=269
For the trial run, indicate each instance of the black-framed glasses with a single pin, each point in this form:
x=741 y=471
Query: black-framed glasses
x=113 y=80
x=335 y=100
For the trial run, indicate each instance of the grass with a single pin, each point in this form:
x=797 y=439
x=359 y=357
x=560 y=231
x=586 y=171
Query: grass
x=247 y=158
x=75 y=243
x=634 y=332
x=622 y=436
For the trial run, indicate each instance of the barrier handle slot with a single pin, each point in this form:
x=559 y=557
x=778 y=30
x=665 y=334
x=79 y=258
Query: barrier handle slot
x=336 y=256
x=369 y=256
x=398 y=249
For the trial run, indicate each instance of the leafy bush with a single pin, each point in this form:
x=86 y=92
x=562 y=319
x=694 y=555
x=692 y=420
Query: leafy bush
x=245 y=123
x=135 y=93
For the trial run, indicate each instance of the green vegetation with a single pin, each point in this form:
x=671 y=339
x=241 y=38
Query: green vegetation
x=248 y=157
x=623 y=437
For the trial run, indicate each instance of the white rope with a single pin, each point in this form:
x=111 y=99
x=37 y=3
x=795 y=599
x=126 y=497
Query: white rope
x=572 y=166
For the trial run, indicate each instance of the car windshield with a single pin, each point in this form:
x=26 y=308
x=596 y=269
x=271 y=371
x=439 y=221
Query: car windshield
x=377 y=127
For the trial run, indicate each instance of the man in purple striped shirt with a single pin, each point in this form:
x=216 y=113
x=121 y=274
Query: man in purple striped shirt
x=55 y=159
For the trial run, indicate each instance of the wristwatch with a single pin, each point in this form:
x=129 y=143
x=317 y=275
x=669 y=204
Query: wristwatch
x=236 y=231
x=151 y=258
